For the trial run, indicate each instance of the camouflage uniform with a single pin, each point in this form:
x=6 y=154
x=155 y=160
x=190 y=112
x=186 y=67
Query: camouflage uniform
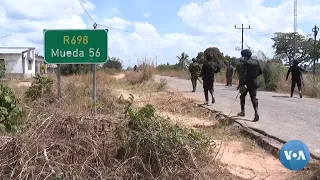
x=296 y=77
x=249 y=83
x=229 y=75
x=207 y=73
x=194 y=69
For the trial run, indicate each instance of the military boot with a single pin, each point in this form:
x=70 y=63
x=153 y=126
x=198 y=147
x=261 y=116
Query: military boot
x=300 y=94
x=256 y=114
x=242 y=113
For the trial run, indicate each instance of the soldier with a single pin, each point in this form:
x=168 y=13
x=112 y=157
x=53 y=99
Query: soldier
x=229 y=75
x=208 y=70
x=249 y=83
x=135 y=68
x=194 y=69
x=296 y=76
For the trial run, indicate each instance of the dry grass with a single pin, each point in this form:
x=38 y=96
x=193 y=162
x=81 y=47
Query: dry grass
x=66 y=141
x=312 y=172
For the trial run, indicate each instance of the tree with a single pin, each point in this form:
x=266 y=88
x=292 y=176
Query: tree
x=200 y=58
x=70 y=69
x=284 y=46
x=217 y=56
x=233 y=60
x=113 y=63
x=183 y=58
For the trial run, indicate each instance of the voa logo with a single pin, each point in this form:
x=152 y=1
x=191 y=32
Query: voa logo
x=295 y=155
x=298 y=156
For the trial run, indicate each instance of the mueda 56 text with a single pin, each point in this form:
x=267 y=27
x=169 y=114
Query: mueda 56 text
x=76 y=53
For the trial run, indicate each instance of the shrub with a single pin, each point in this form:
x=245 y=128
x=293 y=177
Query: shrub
x=165 y=150
x=162 y=85
x=70 y=69
x=272 y=73
x=10 y=113
x=2 y=69
x=144 y=74
x=113 y=64
x=40 y=88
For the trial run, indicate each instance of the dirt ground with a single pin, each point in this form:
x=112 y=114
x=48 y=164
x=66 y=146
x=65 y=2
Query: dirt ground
x=240 y=156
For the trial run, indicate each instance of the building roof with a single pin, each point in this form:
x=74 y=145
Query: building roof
x=13 y=50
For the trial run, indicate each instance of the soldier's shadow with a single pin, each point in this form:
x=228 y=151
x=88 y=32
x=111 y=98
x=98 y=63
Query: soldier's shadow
x=241 y=119
x=284 y=96
x=229 y=89
x=189 y=91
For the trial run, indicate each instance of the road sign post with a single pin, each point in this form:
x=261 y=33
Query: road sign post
x=76 y=46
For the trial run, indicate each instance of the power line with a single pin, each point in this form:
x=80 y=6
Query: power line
x=125 y=31
x=86 y=12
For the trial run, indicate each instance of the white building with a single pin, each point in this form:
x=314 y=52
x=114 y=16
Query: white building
x=19 y=60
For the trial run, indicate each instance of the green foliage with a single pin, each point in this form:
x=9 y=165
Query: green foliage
x=167 y=66
x=200 y=58
x=113 y=63
x=160 y=144
x=216 y=56
x=272 y=72
x=183 y=60
x=284 y=46
x=40 y=88
x=2 y=69
x=10 y=113
x=71 y=69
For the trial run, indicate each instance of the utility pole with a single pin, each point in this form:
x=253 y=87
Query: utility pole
x=242 y=29
x=315 y=31
x=295 y=29
x=156 y=60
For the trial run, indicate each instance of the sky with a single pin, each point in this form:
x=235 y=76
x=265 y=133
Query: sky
x=142 y=30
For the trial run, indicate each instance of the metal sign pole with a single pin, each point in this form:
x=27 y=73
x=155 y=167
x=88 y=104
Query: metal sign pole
x=59 y=83
x=94 y=89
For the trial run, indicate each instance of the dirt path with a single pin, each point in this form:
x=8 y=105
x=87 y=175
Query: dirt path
x=241 y=157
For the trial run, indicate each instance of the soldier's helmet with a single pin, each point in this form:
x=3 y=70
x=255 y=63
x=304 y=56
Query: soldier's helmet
x=295 y=62
x=194 y=60
x=246 y=53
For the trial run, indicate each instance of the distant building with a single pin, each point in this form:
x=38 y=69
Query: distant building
x=42 y=67
x=19 y=60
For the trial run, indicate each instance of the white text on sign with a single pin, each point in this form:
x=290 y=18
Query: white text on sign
x=76 y=53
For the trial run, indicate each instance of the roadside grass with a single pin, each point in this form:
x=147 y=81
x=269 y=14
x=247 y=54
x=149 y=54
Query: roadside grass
x=66 y=140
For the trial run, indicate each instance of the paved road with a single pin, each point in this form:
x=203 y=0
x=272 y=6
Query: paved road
x=280 y=115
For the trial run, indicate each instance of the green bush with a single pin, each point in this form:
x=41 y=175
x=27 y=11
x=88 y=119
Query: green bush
x=71 y=69
x=272 y=73
x=2 y=69
x=113 y=64
x=167 y=66
x=10 y=113
x=164 y=148
x=40 y=88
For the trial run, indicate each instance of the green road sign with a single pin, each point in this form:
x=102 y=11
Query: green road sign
x=75 y=46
